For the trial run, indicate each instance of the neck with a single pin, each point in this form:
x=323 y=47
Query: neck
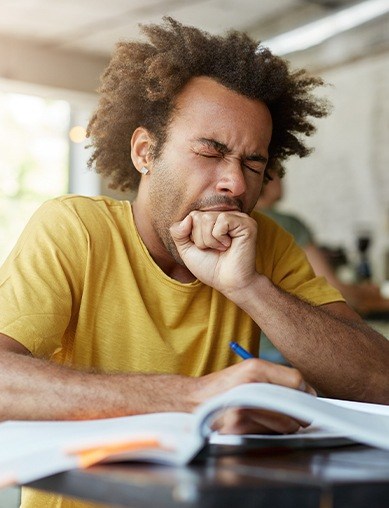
x=154 y=244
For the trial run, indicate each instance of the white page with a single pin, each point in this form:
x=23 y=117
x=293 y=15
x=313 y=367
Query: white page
x=33 y=449
x=361 y=422
x=379 y=409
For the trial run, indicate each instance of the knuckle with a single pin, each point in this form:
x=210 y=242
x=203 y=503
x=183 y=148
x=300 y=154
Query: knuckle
x=206 y=216
x=296 y=378
x=252 y=369
x=195 y=217
x=221 y=220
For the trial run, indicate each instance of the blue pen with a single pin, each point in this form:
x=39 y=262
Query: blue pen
x=239 y=350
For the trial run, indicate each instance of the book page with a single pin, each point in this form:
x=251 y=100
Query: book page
x=379 y=409
x=360 y=422
x=32 y=449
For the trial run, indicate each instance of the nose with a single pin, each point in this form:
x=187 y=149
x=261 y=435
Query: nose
x=231 y=179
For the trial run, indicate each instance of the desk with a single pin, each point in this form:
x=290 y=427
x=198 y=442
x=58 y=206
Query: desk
x=344 y=477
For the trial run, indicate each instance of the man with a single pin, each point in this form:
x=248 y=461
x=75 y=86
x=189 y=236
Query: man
x=364 y=297
x=110 y=309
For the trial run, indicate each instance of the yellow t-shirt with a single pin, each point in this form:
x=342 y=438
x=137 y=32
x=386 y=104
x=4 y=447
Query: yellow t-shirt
x=81 y=289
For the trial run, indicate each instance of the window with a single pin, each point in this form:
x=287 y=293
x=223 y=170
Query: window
x=34 y=159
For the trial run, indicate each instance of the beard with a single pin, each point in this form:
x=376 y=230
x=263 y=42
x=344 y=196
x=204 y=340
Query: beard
x=168 y=196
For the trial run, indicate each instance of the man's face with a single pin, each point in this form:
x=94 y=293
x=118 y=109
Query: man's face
x=214 y=156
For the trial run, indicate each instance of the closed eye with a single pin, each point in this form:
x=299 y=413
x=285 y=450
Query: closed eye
x=258 y=171
x=211 y=155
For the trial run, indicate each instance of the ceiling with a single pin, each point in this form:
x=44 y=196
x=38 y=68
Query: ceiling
x=93 y=26
x=63 y=42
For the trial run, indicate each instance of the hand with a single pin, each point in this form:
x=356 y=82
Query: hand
x=250 y=421
x=218 y=248
x=255 y=421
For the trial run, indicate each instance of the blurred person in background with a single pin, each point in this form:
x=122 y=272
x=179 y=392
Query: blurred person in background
x=365 y=297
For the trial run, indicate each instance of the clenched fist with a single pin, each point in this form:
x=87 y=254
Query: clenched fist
x=218 y=247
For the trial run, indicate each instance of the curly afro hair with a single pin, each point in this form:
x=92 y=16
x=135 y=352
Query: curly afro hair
x=143 y=79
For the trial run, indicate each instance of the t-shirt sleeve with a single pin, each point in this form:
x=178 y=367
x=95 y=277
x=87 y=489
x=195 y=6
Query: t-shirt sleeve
x=286 y=265
x=41 y=280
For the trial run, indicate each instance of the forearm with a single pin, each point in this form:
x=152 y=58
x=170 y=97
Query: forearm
x=339 y=356
x=31 y=388
x=35 y=389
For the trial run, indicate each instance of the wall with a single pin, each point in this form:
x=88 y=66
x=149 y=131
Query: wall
x=344 y=185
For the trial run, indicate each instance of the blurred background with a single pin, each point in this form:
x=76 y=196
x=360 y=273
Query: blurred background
x=52 y=53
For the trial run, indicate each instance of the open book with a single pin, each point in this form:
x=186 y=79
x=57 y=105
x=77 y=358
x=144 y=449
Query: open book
x=33 y=449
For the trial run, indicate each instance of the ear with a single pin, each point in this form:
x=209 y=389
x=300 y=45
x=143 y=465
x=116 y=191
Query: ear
x=141 y=143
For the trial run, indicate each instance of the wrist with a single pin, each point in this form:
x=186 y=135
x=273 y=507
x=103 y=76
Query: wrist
x=177 y=392
x=247 y=296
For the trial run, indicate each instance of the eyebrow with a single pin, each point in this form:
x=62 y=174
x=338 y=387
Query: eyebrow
x=224 y=149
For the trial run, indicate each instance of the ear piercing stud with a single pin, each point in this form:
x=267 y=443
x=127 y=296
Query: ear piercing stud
x=144 y=170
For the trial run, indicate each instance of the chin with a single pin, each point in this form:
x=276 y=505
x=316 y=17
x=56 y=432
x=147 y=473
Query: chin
x=172 y=250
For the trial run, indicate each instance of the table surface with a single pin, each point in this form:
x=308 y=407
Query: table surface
x=348 y=476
